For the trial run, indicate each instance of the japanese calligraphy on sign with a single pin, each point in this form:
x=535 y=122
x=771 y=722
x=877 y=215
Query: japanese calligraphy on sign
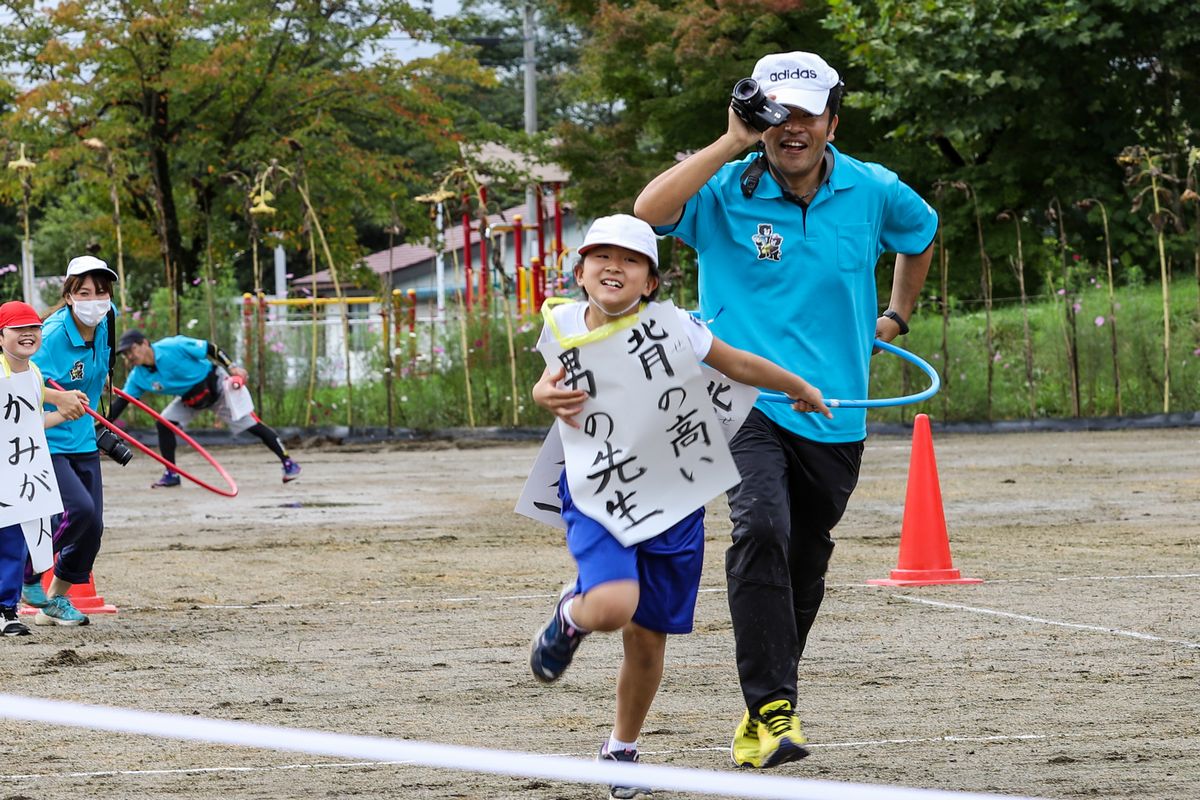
x=650 y=448
x=28 y=489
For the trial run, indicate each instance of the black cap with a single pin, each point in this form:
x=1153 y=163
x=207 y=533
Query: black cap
x=129 y=338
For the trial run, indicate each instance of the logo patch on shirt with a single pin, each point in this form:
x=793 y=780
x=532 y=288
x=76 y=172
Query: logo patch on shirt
x=76 y=373
x=768 y=243
x=156 y=386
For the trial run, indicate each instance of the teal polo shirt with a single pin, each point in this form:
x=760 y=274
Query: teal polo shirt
x=67 y=359
x=180 y=362
x=798 y=286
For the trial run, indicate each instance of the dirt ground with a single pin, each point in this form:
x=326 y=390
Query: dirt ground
x=391 y=591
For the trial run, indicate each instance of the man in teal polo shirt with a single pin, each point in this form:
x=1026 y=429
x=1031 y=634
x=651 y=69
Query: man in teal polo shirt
x=196 y=372
x=787 y=240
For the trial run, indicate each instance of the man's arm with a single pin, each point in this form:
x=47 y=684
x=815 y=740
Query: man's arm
x=663 y=199
x=221 y=358
x=907 y=281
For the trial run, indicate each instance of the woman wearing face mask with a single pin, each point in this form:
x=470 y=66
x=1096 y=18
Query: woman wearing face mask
x=75 y=354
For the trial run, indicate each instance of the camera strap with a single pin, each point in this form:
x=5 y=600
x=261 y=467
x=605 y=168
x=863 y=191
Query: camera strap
x=112 y=351
x=753 y=173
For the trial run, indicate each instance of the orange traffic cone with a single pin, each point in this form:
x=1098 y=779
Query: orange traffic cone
x=83 y=596
x=924 y=544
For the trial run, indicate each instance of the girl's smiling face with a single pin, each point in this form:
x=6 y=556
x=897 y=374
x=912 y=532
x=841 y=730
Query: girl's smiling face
x=615 y=278
x=21 y=342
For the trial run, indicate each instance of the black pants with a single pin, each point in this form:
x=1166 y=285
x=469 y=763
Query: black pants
x=792 y=494
x=78 y=531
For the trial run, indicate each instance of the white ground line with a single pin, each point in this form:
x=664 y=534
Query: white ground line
x=1043 y=621
x=453 y=757
x=588 y=754
x=551 y=595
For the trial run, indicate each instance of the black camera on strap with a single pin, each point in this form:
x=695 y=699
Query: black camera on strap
x=754 y=108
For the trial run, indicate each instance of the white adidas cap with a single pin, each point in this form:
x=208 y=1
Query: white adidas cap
x=796 y=79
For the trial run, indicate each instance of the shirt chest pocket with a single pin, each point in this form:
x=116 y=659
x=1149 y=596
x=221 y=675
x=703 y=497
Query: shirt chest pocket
x=854 y=246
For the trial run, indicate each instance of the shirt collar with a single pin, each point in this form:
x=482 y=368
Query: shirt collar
x=837 y=179
x=72 y=329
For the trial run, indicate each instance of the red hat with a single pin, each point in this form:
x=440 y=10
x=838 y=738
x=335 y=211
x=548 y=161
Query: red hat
x=15 y=314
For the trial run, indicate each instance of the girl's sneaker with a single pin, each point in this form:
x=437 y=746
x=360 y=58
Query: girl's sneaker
x=10 y=625
x=555 y=644
x=624 y=792
x=32 y=594
x=60 y=611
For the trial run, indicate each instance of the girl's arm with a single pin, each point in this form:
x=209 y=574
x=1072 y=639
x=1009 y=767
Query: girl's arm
x=563 y=403
x=748 y=368
x=70 y=403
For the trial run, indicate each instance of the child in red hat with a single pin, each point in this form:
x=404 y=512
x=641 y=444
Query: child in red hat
x=20 y=338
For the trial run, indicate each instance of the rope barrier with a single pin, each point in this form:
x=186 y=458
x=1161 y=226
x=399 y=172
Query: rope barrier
x=467 y=759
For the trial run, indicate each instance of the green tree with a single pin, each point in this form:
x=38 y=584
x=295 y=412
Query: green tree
x=188 y=92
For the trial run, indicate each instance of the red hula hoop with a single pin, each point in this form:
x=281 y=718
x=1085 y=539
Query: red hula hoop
x=230 y=492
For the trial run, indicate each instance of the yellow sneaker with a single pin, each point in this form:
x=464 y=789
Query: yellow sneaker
x=744 y=749
x=780 y=739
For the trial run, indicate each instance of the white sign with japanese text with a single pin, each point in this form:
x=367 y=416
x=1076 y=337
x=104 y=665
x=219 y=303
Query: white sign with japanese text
x=28 y=488
x=539 y=499
x=39 y=538
x=649 y=449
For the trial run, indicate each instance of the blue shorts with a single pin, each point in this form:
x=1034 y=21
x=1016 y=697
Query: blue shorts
x=666 y=567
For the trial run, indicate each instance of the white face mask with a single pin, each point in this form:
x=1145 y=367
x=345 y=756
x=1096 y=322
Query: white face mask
x=91 y=312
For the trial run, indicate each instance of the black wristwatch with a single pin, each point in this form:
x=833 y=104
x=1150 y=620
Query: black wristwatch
x=899 y=320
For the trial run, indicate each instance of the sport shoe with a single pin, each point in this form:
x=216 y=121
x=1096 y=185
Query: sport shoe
x=32 y=594
x=744 y=750
x=291 y=471
x=168 y=478
x=10 y=625
x=623 y=792
x=555 y=644
x=59 y=611
x=780 y=739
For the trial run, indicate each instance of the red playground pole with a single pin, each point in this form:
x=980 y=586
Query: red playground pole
x=467 y=250
x=484 y=288
x=518 y=267
x=558 y=243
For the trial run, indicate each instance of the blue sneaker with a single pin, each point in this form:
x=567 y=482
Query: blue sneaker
x=59 y=611
x=291 y=471
x=32 y=594
x=168 y=478
x=555 y=644
x=623 y=792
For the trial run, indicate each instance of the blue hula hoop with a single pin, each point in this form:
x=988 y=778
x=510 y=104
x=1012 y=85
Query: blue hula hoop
x=935 y=384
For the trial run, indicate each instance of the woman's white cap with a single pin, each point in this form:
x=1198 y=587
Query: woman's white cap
x=623 y=231
x=81 y=264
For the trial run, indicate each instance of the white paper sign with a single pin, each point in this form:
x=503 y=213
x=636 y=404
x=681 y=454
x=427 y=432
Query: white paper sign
x=648 y=451
x=539 y=499
x=239 y=401
x=39 y=538
x=28 y=488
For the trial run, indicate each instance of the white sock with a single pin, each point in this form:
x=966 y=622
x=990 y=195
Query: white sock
x=566 y=611
x=616 y=745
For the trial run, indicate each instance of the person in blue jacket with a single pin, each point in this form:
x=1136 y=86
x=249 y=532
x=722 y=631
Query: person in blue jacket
x=788 y=239
x=76 y=353
x=199 y=374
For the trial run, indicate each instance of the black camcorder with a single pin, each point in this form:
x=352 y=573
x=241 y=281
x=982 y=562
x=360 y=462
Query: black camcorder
x=754 y=108
x=111 y=445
